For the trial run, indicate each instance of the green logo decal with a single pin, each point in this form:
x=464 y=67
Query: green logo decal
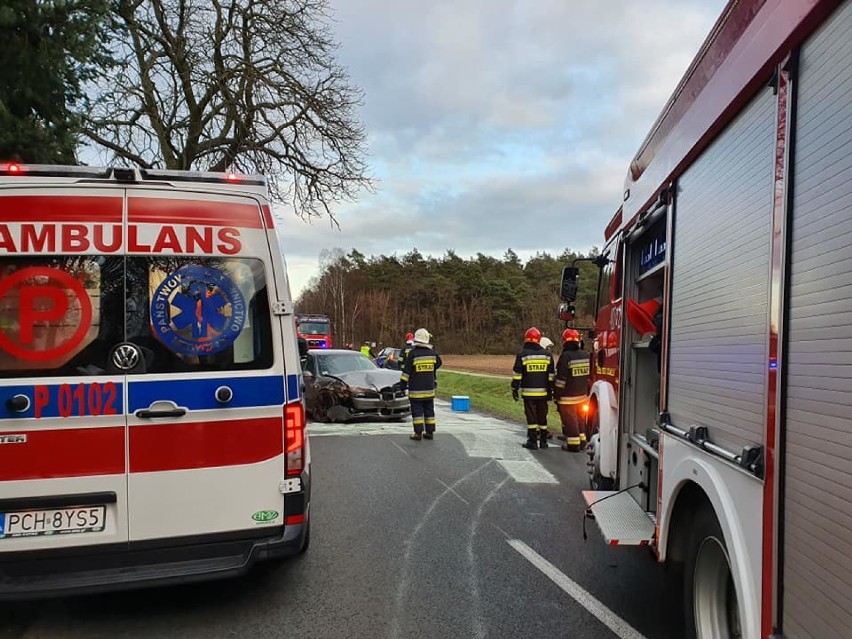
x=265 y=516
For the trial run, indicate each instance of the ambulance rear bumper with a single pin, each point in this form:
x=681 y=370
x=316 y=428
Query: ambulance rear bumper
x=32 y=575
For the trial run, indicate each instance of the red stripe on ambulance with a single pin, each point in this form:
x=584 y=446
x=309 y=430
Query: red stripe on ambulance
x=161 y=447
x=155 y=210
x=63 y=208
x=71 y=452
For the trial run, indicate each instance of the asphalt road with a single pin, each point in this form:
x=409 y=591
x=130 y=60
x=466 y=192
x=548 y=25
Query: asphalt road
x=468 y=535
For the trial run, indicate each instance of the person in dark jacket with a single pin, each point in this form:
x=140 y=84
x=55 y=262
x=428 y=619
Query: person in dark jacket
x=572 y=390
x=532 y=379
x=418 y=376
x=405 y=350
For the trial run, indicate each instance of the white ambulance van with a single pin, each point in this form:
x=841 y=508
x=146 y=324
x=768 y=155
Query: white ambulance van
x=152 y=426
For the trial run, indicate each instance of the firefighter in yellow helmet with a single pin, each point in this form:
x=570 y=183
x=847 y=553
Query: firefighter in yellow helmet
x=418 y=375
x=532 y=379
x=572 y=389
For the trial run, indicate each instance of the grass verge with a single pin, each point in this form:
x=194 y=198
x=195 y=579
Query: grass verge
x=488 y=395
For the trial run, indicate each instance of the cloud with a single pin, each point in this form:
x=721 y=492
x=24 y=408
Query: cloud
x=499 y=124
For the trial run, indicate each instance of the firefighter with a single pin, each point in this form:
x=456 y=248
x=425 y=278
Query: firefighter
x=572 y=388
x=365 y=349
x=532 y=378
x=418 y=376
x=406 y=349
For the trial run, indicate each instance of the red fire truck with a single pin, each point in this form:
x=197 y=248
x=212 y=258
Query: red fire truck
x=722 y=390
x=314 y=329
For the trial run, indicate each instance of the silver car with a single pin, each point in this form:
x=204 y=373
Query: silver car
x=341 y=385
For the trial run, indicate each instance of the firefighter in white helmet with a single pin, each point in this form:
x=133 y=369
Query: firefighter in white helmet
x=418 y=375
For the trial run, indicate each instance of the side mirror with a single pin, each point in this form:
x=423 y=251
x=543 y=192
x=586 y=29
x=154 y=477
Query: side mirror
x=566 y=312
x=568 y=288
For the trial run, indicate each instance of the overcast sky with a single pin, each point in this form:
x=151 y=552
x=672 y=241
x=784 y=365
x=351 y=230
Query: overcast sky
x=496 y=124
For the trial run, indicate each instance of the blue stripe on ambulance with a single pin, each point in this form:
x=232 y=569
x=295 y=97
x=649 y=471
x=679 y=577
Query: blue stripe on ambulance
x=200 y=394
x=294 y=387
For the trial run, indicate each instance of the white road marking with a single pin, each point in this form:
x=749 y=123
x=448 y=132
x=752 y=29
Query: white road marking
x=477 y=617
x=405 y=577
x=606 y=616
x=403 y=450
x=450 y=488
x=482 y=436
x=527 y=472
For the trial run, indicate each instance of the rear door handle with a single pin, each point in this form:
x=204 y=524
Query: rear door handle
x=160 y=408
x=148 y=413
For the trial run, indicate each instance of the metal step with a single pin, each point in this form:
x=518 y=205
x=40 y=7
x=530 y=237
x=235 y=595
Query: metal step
x=621 y=520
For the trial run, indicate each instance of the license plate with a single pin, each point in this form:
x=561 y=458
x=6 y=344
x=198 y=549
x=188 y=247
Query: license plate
x=58 y=521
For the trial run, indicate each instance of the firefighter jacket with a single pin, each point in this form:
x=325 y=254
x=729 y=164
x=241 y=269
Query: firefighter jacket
x=533 y=371
x=403 y=355
x=365 y=350
x=572 y=376
x=419 y=372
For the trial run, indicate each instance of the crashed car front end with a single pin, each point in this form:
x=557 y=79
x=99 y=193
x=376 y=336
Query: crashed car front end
x=338 y=401
x=385 y=402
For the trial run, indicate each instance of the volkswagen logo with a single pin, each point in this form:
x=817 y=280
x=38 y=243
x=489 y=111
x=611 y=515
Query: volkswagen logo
x=125 y=356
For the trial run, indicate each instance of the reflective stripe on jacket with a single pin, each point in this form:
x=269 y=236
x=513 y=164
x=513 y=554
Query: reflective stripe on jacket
x=572 y=376
x=533 y=372
x=419 y=372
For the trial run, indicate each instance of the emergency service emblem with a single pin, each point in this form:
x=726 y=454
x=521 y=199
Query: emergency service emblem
x=198 y=310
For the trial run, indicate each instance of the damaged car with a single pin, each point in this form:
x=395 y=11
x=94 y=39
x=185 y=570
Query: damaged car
x=341 y=385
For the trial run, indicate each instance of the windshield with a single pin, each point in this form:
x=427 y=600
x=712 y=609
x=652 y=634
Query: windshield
x=337 y=363
x=313 y=328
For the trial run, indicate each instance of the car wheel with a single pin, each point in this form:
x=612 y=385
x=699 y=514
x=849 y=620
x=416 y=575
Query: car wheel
x=325 y=402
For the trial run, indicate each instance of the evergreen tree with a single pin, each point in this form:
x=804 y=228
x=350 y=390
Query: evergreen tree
x=48 y=50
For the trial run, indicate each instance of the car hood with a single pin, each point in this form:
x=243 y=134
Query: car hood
x=378 y=378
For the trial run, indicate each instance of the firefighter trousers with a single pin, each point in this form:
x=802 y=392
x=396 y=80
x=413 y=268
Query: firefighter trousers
x=573 y=425
x=535 y=409
x=423 y=414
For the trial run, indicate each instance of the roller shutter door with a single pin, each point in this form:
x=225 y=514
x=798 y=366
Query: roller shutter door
x=817 y=509
x=720 y=282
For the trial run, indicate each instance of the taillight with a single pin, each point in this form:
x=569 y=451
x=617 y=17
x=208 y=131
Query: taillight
x=294 y=438
x=586 y=407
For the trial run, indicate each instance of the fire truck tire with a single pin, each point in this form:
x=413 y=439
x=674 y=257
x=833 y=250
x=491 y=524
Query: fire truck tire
x=710 y=600
x=596 y=480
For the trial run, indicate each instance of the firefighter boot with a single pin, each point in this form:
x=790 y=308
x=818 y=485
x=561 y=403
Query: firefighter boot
x=542 y=438
x=531 y=439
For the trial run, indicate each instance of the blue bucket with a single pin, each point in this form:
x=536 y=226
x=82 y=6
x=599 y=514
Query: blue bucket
x=461 y=403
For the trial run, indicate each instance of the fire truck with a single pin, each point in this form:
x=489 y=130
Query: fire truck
x=722 y=361
x=314 y=329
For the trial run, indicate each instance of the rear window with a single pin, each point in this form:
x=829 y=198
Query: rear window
x=199 y=314
x=63 y=315
x=59 y=315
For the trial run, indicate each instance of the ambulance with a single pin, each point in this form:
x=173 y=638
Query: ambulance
x=152 y=425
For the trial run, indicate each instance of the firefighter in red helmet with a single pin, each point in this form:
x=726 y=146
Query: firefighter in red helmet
x=572 y=389
x=532 y=379
x=406 y=349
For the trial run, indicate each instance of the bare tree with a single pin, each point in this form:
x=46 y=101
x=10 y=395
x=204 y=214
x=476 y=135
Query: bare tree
x=245 y=85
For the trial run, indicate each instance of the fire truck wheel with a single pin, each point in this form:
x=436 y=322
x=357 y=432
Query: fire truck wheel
x=710 y=598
